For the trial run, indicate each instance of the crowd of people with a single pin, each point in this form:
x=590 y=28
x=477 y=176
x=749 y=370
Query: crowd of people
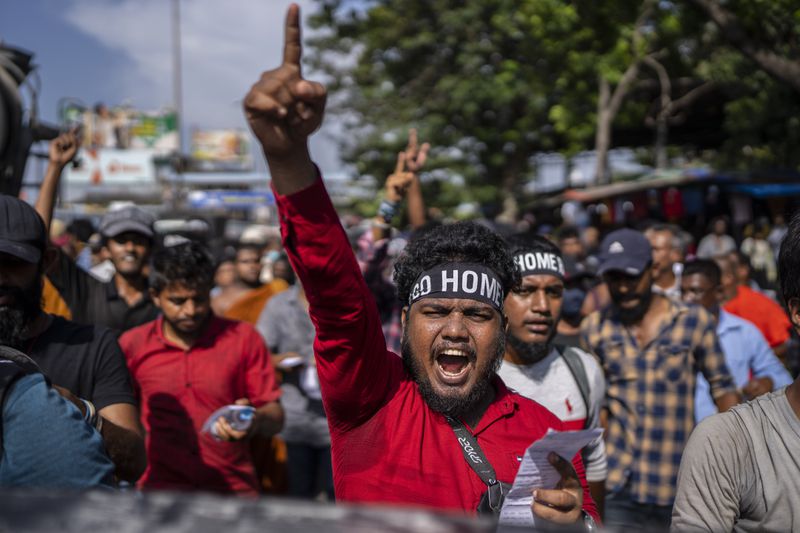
x=409 y=367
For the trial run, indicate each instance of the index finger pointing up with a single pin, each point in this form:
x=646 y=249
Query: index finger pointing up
x=292 y=48
x=401 y=162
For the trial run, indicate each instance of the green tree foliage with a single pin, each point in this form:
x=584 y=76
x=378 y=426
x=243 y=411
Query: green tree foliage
x=487 y=82
x=753 y=49
x=491 y=82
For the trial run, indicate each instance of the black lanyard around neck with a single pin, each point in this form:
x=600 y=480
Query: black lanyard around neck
x=476 y=459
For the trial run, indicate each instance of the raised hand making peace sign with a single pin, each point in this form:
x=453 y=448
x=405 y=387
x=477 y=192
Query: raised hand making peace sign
x=283 y=109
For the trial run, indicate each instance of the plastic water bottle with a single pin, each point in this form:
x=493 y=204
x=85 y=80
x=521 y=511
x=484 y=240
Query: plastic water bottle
x=240 y=417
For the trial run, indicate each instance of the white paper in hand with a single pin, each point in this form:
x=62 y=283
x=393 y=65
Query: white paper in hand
x=536 y=472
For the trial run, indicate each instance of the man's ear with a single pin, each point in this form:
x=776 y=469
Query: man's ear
x=404 y=316
x=155 y=297
x=794 y=312
x=719 y=293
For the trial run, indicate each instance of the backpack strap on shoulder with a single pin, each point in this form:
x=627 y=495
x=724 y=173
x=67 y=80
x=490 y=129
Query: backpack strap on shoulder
x=573 y=360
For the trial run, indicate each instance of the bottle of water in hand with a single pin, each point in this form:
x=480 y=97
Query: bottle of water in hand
x=240 y=417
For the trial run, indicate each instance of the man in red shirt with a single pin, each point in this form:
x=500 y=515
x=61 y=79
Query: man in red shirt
x=393 y=419
x=185 y=365
x=744 y=302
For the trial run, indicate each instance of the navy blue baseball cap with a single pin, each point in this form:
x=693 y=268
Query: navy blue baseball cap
x=625 y=250
x=22 y=232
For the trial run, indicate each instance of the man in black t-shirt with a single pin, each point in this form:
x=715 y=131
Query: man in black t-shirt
x=123 y=302
x=84 y=363
x=86 y=360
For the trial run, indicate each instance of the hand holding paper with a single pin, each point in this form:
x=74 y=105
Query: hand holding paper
x=547 y=469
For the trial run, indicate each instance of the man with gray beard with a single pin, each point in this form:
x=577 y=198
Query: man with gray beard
x=567 y=381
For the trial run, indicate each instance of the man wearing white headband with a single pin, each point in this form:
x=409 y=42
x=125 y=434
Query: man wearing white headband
x=566 y=380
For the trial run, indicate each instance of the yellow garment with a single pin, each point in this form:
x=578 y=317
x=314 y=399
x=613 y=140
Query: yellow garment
x=249 y=306
x=52 y=302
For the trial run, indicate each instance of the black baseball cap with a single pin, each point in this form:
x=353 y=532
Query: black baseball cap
x=129 y=218
x=625 y=250
x=22 y=231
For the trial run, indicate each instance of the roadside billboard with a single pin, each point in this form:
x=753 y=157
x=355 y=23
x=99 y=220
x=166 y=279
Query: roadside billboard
x=221 y=150
x=100 y=167
x=124 y=128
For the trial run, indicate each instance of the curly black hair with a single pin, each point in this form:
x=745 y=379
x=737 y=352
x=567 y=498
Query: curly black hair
x=465 y=242
x=189 y=263
x=704 y=267
x=527 y=242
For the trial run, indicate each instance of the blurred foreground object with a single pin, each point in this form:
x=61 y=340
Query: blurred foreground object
x=19 y=127
x=205 y=513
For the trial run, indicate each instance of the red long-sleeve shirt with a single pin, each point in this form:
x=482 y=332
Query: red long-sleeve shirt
x=387 y=445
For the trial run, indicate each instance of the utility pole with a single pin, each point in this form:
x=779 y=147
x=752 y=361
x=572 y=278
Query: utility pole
x=177 y=78
x=177 y=98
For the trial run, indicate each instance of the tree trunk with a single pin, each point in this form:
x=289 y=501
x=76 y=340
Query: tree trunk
x=662 y=134
x=602 y=137
x=511 y=174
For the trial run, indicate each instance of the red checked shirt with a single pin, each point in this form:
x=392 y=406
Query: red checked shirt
x=177 y=392
x=387 y=445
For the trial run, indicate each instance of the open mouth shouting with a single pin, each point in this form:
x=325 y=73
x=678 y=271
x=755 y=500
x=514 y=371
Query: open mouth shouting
x=453 y=365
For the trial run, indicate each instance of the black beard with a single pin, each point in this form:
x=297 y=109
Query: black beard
x=527 y=351
x=634 y=314
x=16 y=319
x=452 y=406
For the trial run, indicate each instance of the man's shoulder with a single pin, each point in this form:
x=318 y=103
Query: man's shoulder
x=741 y=420
x=532 y=411
x=63 y=326
x=591 y=324
x=722 y=434
x=226 y=330
x=729 y=321
x=71 y=335
x=228 y=325
x=138 y=336
x=590 y=363
x=693 y=314
x=281 y=298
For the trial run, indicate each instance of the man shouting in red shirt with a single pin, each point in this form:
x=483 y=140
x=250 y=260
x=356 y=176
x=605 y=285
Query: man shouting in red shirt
x=394 y=421
x=187 y=364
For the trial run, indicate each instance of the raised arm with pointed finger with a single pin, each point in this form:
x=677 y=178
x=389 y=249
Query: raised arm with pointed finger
x=283 y=109
x=62 y=150
x=390 y=438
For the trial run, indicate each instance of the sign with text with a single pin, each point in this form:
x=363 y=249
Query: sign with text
x=112 y=167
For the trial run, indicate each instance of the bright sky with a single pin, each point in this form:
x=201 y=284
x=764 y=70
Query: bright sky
x=116 y=51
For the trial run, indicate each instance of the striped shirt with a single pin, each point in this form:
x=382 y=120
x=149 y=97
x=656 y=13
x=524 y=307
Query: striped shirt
x=650 y=395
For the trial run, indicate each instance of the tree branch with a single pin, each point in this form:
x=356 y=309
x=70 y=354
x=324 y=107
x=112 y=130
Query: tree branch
x=691 y=97
x=663 y=80
x=777 y=66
